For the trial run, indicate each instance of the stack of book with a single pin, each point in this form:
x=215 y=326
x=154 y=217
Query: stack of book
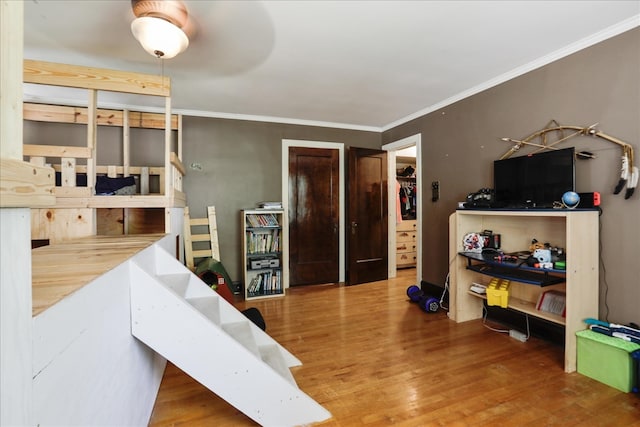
x=262 y=220
x=266 y=283
x=270 y=205
x=260 y=243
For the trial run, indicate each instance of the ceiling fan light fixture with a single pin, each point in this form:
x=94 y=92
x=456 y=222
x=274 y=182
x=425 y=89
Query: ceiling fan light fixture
x=159 y=37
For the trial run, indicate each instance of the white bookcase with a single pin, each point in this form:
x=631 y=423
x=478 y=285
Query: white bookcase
x=574 y=230
x=263 y=253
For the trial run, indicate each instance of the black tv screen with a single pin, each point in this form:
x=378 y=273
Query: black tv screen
x=535 y=180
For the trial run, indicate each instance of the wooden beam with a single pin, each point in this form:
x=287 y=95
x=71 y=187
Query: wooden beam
x=16 y=325
x=126 y=143
x=11 y=41
x=77 y=76
x=56 y=151
x=73 y=191
x=102 y=169
x=175 y=161
x=213 y=232
x=92 y=137
x=134 y=201
x=24 y=185
x=179 y=137
x=105 y=117
x=68 y=174
x=168 y=184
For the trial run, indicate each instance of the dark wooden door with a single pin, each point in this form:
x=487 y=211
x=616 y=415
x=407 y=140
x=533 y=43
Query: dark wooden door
x=314 y=213
x=367 y=216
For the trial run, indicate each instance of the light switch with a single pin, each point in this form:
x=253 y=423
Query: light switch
x=435 y=191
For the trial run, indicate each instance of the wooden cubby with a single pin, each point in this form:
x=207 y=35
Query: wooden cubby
x=574 y=230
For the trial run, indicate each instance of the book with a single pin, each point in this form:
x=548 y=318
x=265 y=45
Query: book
x=270 y=205
x=552 y=302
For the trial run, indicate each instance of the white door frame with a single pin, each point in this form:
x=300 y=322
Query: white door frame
x=391 y=148
x=286 y=143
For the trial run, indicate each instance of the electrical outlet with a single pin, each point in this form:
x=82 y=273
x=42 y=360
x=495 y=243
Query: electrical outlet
x=435 y=191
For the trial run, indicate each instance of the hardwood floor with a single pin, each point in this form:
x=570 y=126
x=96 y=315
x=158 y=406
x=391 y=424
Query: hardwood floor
x=373 y=359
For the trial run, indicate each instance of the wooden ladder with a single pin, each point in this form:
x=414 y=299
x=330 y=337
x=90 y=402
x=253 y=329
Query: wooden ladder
x=194 y=232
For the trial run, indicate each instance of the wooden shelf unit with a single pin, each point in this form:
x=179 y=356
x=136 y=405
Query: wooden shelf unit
x=574 y=230
x=263 y=244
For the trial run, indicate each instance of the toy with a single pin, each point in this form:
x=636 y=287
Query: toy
x=570 y=199
x=425 y=302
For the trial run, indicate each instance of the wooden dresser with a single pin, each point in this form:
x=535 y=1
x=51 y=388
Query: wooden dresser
x=406 y=244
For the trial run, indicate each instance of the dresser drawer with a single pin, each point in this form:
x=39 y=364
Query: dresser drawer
x=408 y=258
x=403 y=247
x=407 y=225
x=405 y=236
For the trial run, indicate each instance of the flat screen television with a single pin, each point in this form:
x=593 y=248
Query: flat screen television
x=535 y=180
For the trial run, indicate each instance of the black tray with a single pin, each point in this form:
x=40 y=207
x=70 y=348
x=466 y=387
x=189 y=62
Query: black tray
x=518 y=272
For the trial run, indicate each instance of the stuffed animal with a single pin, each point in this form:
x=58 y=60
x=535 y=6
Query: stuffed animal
x=537 y=245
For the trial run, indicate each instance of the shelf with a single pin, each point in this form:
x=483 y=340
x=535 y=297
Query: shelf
x=512 y=271
x=526 y=307
x=263 y=254
x=262 y=240
x=575 y=230
x=267 y=295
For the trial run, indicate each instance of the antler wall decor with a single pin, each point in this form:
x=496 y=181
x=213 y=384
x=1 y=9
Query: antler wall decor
x=629 y=173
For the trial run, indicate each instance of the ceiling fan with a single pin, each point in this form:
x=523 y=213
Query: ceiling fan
x=163 y=27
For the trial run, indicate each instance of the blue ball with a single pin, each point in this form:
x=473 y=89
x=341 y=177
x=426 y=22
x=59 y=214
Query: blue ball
x=570 y=199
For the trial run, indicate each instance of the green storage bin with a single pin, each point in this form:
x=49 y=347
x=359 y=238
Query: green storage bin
x=606 y=359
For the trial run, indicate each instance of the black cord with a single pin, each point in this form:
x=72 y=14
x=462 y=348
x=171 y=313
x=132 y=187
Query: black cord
x=604 y=269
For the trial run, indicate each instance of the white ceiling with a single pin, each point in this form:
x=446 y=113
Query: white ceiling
x=353 y=64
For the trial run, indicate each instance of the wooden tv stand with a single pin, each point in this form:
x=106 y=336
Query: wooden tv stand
x=574 y=230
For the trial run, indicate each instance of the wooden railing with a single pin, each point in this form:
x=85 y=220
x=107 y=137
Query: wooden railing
x=72 y=160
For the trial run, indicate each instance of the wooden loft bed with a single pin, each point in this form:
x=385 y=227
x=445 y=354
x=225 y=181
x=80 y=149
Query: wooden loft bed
x=78 y=210
x=93 y=80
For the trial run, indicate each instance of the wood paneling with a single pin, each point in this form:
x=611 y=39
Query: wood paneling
x=59 y=225
x=25 y=185
x=372 y=358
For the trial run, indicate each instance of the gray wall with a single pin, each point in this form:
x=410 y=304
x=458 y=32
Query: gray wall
x=241 y=160
x=600 y=84
x=147 y=145
x=241 y=166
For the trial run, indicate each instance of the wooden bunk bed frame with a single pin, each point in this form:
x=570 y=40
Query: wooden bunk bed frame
x=78 y=211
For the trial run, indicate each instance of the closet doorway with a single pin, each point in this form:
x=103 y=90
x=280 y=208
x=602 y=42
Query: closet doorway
x=405 y=206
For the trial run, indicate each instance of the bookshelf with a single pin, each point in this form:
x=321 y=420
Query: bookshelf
x=263 y=253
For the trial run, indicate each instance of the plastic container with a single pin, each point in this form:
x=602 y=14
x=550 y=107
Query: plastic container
x=606 y=359
x=498 y=292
